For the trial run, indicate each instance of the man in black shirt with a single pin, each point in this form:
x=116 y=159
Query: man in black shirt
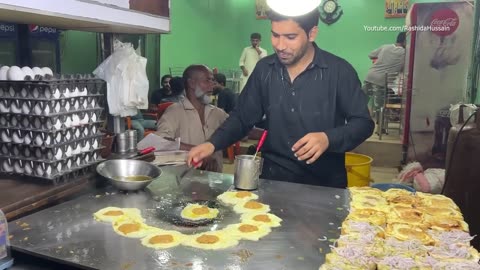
x=164 y=92
x=314 y=106
x=226 y=98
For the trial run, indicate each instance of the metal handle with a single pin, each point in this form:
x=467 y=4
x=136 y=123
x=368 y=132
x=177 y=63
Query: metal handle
x=147 y=150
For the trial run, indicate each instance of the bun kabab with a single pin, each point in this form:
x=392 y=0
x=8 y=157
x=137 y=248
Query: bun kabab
x=397 y=229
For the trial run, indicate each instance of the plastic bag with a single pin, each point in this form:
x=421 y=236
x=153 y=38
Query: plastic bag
x=455 y=112
x=127 y=82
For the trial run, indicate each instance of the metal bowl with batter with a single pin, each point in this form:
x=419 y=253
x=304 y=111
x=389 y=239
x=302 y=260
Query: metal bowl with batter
x=129 y=174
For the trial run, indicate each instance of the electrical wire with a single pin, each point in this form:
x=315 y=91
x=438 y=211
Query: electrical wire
x=447 y=172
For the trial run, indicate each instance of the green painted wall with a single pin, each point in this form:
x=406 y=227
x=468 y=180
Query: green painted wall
x=213 y=32
x=78 y=52
x=219 y=40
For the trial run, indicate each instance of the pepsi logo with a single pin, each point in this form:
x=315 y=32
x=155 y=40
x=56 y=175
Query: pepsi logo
x=42 y=29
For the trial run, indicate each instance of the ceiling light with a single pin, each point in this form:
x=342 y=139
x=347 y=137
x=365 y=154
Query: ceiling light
x=293 y=8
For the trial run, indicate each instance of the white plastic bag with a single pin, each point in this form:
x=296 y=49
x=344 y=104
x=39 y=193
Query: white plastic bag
x=127 y=82
x=455 y=112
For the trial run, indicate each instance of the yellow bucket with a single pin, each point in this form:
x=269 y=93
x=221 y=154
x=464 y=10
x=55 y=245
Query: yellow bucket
x=358 y=169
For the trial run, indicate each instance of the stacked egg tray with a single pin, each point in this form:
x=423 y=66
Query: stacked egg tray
x=50 y=127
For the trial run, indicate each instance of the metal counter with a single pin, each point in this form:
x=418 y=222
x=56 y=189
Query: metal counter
x=68 y=233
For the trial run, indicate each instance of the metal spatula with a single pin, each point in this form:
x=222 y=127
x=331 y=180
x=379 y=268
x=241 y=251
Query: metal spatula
x=183 y=174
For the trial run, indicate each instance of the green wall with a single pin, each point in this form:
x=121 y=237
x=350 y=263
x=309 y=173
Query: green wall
x=219 y=40
x=213 y=32
x=78 y=52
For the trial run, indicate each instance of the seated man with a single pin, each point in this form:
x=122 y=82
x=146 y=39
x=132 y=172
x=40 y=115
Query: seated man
x=226 y=96
x=178 y=88
x=193 y=119
x=140 y=124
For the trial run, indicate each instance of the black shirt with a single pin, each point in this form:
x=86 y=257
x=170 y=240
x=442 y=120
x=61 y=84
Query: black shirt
x=158 y=95
x=326 y=97
x=226 y=100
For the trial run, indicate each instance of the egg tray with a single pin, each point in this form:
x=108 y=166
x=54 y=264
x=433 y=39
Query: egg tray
x=32 y=106
x=64 y=170
x=52 y=122
x=58 y=86
x=53 y=153
x=48 y=138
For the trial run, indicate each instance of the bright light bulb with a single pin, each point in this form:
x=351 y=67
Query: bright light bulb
x=293 y=8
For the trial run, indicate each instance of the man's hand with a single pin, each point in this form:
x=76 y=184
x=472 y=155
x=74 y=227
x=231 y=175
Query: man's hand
x=198 y=153
x=311 y=146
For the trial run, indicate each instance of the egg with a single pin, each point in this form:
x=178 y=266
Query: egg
x=248 y=230
x=235 y=197
x=251 y=207
x=163 y=239
x=47 y=71
x=38 y=71
x=75 y=120
x=265 y=219
x=132 y=229
x=111 y=214
x=6 y=136
x=212 y=240
x=3 y=73
x=15 y=74
x=198 y=212
x=28 y=72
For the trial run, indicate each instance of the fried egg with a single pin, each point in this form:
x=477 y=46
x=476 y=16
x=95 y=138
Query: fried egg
x=212 y=240
x=235 y=197
x=368 y=215
x=132 y=229
x=402 y=214
x=364 y=190
x=436 y=201
x=440 y=223
x=248 y=230
x=164 y=239
x=265 y=219
x=407 y=232
x=198 y=212
x=112 y=214
x=251 y=207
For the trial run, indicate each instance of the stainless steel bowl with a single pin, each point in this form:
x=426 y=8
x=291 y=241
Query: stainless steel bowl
x=115 y=170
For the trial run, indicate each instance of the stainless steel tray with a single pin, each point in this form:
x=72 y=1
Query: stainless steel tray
x=68 y=233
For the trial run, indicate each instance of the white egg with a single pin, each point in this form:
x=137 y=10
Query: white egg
x=15 y=74
x=18 y=167
x=56 y=93
x=38 y=140
x=17 y=137
x=75 y=120
x=4 y=107
x=6 y=137
x=84 y=120
x=47 y=71
x=16 y=107
x=3 y=73
x=28 y=72
x=38 y=71
x=59 y=154
x=39 y=171
x=58 y=124
x=28 y=138
x=7 y=167
x=28 y=168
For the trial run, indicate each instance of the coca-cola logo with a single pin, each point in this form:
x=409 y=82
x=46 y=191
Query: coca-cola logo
x=444 y=22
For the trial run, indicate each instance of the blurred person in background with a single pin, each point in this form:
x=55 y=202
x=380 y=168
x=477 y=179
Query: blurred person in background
x=250 y=56
x=226 y=98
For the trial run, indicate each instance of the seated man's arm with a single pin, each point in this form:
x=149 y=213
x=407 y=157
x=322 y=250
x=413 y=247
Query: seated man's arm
x=374 y=54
